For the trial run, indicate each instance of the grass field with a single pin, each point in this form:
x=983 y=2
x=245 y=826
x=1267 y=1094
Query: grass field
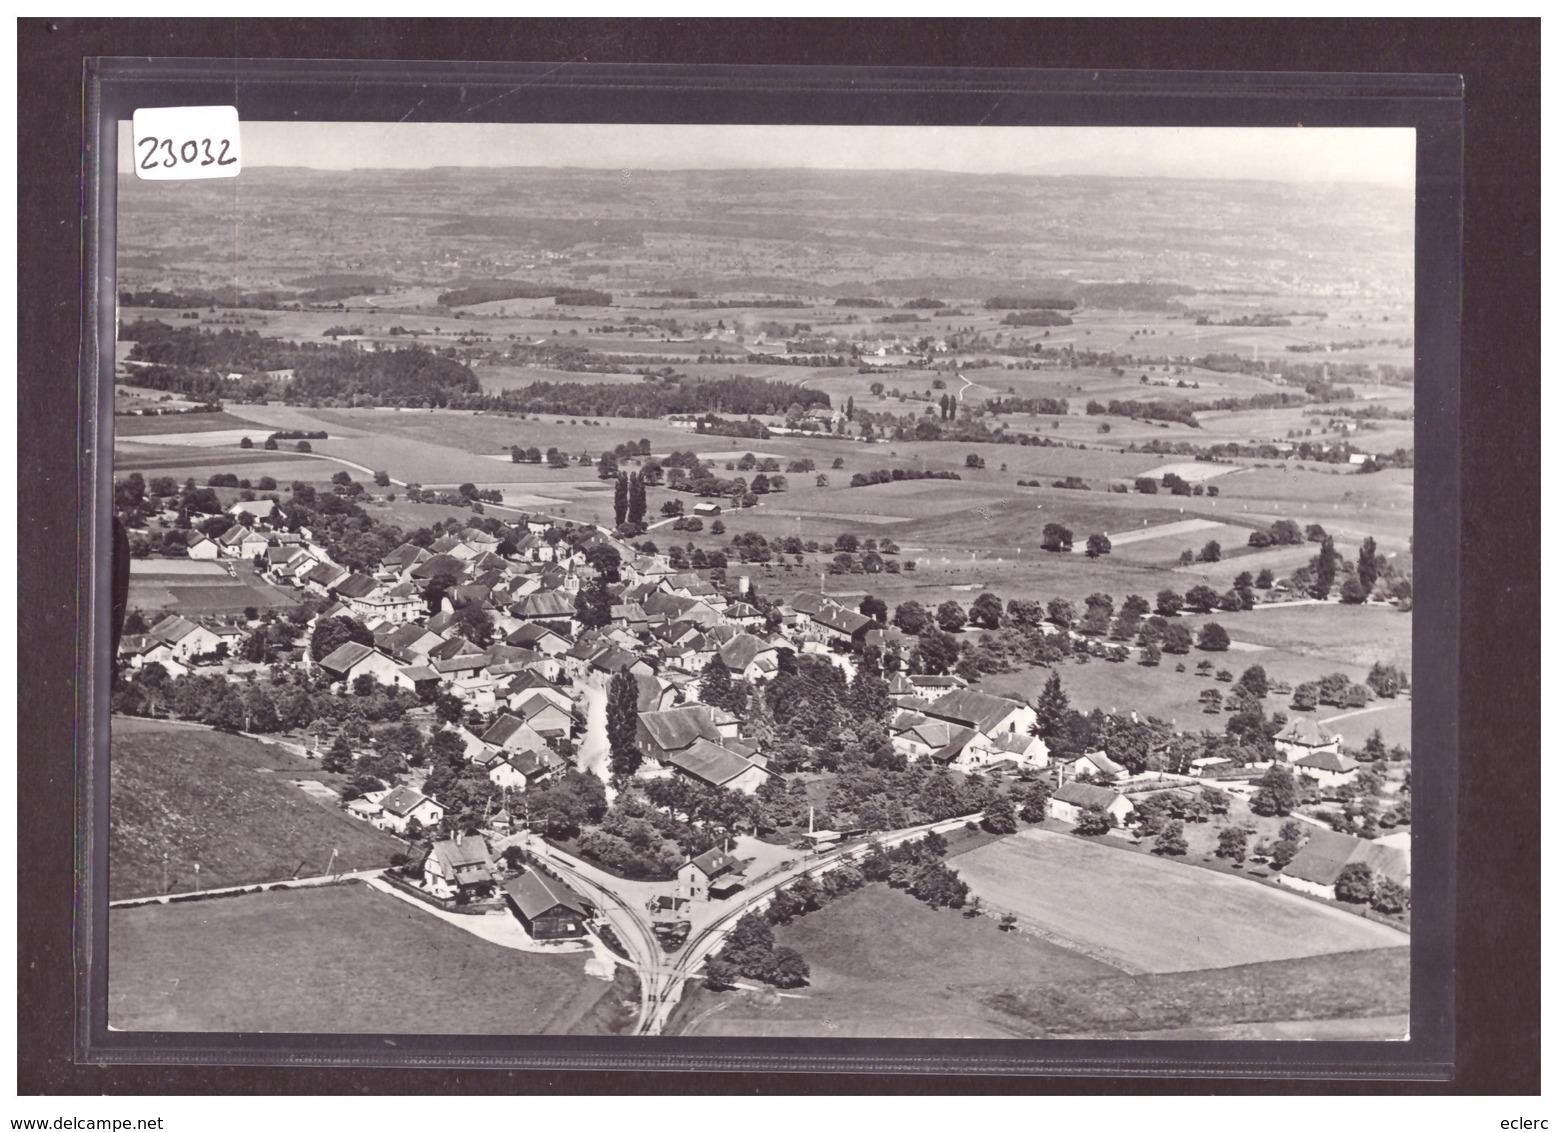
x=885 y=965
x=1149 y=915
x=1319 y=996
x=133 y=426
x=1392 y=718
x=223 y=801
x=338 y=959
x=156 y=584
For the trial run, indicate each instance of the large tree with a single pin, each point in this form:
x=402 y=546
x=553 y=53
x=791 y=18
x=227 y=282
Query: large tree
x=1368 y=565
x=1052 y=708
x=912 y=618
x=1278 y=793
x=637 y=499
x=620 y=500
x=592 y=604
x=716 y=687
x=1325 y=569
x=622 y=724
x=1213 y=638
x=986 y=611
x=950 y=617
x=1169 y=603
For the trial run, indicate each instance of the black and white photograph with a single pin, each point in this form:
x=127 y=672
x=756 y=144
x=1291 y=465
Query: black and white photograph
x=766 y=581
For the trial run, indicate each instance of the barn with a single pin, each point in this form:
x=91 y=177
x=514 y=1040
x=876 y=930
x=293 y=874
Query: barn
x=548 y=908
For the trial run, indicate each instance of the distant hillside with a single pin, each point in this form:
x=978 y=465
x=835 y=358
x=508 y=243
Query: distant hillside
x=831 y=232
x=223 y=801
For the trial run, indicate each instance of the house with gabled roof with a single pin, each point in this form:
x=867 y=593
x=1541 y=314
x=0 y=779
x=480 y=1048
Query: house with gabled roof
x=512 y=733
x=841 y=628
x=400 y=560
x=462 y=864
x=662 y=734
x=546 y=718
x=407 y=642
x=1327 y=768
x=1070 y=800
x=432 y=567
x=1303 y=737
x=533 y=548
x=713 y=765
x=185 y=639
x=711 y=875
x=541 y=638
x=203 y=549
x=1315 y=867
x=141 y=649
x=987 y=714
x=544 y=605
x=403 y=805
x=1096 y=764
x=454 y=547
x=324 y=577
x=743 y=655
x=654 y=694
x=255 y=511
x=520 y=770
x=352 y=659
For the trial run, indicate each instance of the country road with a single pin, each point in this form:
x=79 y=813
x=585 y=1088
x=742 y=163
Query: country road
x=662 y=978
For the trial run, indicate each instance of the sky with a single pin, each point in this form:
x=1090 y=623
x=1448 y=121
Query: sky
x=1298 y=155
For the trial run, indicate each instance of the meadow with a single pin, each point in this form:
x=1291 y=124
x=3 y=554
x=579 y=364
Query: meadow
x=1146 y=914
x=278 y=962
x=183 y=794
x=884 y=965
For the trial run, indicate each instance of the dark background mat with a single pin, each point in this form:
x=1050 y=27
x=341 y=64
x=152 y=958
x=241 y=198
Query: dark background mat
x=1498 y=900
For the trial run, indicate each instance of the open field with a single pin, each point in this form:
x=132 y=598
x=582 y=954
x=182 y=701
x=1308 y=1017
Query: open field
x=184 y=424
x=225 y=802
x=1358 y=635
x=883 y=964
x=1391 y=718
x=157 y=583
x=280 y=962
x=1148 y=915
x=1356 y=994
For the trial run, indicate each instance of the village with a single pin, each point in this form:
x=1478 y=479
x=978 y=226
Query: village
x=555 y=674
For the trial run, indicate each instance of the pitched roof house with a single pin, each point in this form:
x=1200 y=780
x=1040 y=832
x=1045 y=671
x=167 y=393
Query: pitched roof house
x=462 y=862
x=1315 y=867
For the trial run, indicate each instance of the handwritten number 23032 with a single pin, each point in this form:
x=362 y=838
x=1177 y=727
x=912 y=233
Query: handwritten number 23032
x=189 y=153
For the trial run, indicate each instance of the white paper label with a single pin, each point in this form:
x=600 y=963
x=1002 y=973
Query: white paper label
x=185 y=143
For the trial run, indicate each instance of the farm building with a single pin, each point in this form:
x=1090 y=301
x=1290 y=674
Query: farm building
x=1316 y=866
x=203 y=549
x=715 y=766
x=549 y=909
x=703 y=510
x=662 y=734
x=1327 y=768
x=1070 y=800
x=987 y=714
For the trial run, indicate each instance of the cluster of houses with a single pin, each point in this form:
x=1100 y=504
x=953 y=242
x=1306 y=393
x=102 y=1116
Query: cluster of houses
x=529 y=671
